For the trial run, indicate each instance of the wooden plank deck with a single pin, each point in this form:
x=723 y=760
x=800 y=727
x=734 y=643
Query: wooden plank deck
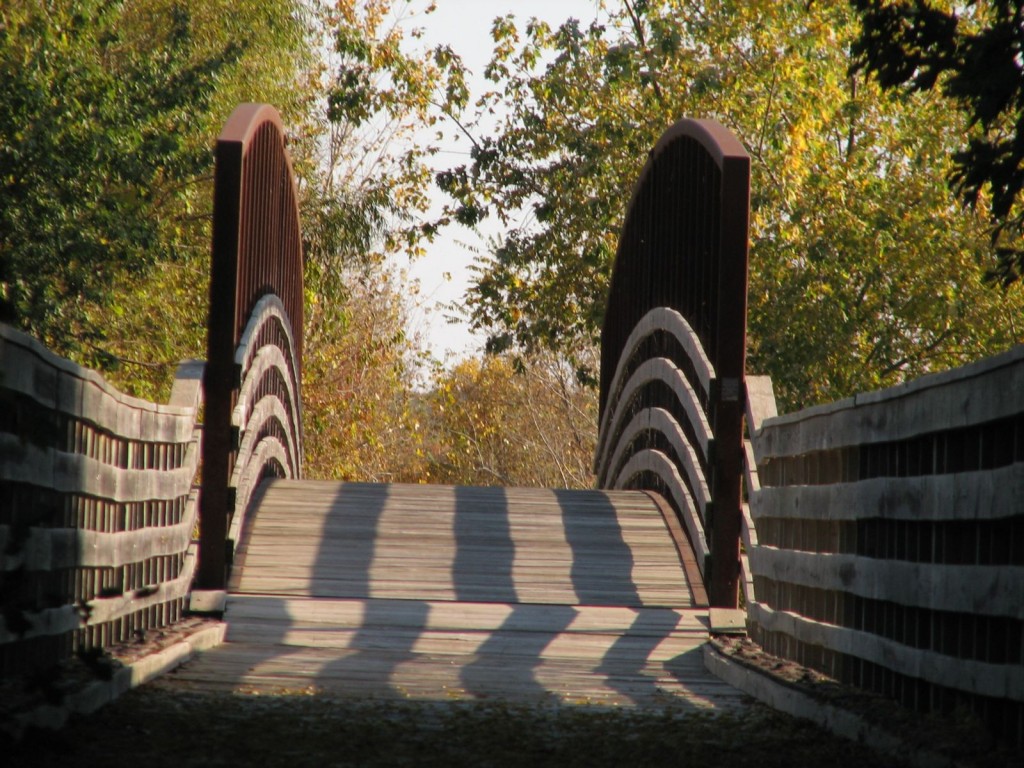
x=437 y=592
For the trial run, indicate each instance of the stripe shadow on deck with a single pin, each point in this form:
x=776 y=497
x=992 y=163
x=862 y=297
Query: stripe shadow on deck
x=444 y=592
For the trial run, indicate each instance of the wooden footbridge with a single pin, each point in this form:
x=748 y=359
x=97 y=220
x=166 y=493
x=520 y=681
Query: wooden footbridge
x=439 y=592
x=879 y=540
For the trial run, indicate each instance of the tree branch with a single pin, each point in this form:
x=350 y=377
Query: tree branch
x=641 y=39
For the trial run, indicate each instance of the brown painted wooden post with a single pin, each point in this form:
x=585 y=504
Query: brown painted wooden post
x=730 y=361
x=219 y=380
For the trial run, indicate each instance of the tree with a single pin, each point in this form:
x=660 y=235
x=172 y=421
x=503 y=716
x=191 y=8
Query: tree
x=363 y=203
x=497 y=421
x=108 y=114
x=863 y=269
x=379 y=98
x=363 y=418
x=973 y=53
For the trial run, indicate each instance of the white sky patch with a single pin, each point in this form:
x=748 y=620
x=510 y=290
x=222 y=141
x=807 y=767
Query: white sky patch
x=444 y=273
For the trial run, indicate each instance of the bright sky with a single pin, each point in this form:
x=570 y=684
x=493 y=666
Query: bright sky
x=465 y=26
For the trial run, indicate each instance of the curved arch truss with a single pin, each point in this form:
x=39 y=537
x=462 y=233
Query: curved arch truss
x=253 y=424
x=672 y=347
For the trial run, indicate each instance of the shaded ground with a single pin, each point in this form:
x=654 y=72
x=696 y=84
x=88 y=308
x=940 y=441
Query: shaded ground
x=154 y=727
x=956 y=738
x=164 y=725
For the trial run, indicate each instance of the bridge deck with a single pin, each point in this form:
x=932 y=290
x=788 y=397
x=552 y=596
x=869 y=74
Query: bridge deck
x=444 y=593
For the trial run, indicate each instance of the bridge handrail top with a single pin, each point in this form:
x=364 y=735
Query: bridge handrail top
x=180 y=404
x=954 y=377
x=244 y=121
x=716 y=139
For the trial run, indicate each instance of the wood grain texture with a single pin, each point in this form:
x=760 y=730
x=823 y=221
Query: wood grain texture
x=445 y=543
x=657 y=320
x=68 y=618
x=442 y=593
x=33 y=371
x=666 y=371
x=49 y=549
x=964 y=674
x=979 y=590
x=984 y=391
x=990 y=494
x=663 y=422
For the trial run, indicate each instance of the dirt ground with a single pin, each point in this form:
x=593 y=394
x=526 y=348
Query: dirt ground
x=154 y=727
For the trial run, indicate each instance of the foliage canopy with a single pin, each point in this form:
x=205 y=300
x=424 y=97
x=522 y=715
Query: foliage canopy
x=109 y=111
x=863 y=270
x=973 y=53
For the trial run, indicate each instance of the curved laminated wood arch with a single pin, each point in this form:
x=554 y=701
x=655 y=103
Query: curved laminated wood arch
x=256 y=302
x=678 y=302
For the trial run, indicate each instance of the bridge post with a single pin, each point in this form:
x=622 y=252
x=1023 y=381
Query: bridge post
x=219 y=376
x=730 y=361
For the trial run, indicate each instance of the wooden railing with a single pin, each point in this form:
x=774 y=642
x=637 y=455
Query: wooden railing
x=885 y=537
x=672 y=346
x=97 y=506
x=98 y=503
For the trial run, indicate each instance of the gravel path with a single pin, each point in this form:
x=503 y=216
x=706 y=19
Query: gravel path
x=153 y=727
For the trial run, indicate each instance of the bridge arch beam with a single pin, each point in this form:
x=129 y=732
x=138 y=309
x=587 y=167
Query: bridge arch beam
x=682 y=254
x=257 y=253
